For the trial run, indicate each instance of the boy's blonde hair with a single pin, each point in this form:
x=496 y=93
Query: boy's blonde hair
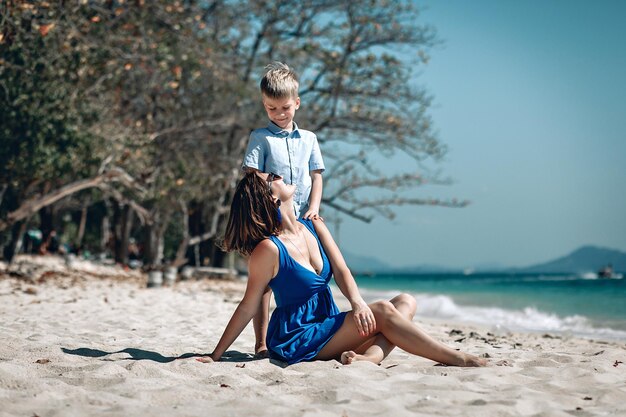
x=279 y=81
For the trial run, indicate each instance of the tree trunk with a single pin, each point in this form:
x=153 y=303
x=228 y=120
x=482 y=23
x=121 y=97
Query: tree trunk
x=46 y=224
x=116 y=230
x=127 y=226
x=154 y=242
x=205 y=239
x=81 y=225
x=123 y=225
x=13 y=248
x=196 y=228
x=217 y=255
x=180 y=258
x=105 y=239
x=150 y=245
x=3 y=189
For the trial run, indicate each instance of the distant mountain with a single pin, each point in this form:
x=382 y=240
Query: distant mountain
x=584 y=259
x=426 y=269
x=362 y=264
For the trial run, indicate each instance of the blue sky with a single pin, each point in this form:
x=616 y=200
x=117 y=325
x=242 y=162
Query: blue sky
x=530 y=97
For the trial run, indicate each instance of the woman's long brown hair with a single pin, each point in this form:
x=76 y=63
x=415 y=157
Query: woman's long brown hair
x=253 y=215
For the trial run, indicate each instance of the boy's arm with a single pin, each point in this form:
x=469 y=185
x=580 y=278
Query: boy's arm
x=254 y=158
x=315 y=199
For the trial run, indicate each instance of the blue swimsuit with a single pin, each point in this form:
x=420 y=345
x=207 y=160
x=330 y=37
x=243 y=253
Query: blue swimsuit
x=306 y=316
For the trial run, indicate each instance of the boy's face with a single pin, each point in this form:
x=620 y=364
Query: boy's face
x=281 y=110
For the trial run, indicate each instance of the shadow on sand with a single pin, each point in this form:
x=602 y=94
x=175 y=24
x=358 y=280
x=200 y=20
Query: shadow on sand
x=140 y=354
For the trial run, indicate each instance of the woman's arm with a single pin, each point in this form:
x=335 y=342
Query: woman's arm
x=363 y=316
x=260 y=322
x=262 y=267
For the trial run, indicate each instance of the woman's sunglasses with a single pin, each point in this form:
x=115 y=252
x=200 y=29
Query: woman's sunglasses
x=272 y=177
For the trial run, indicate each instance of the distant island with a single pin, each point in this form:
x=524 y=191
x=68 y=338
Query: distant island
x=583 y=260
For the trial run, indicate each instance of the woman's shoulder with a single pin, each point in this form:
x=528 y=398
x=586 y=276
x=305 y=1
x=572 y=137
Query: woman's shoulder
x=316 y=226
x=310 y=223
x=263 y=261
x=265 y=248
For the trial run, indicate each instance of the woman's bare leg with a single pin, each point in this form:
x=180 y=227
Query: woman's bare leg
x=376 y=349
x=400 y=332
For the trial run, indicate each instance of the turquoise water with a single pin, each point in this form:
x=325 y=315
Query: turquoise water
x=535 y=302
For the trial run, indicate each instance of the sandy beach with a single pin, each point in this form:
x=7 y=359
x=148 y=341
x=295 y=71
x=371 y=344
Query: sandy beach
x=93 y=341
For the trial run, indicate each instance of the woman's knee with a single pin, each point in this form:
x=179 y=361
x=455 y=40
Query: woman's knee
x=409 y=301
x=383 y=310
x=405 y=303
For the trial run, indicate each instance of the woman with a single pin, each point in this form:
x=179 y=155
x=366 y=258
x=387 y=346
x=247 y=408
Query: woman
x=296 y=259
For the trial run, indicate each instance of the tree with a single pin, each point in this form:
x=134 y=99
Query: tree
x=134 y=101
x=164 y=93
x=44 y=140
x=356 y=60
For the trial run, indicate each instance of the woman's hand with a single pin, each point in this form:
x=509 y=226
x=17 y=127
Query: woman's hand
x=364 y=318
x=206 y=359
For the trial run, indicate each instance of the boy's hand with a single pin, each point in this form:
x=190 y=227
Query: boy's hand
x=312 y=214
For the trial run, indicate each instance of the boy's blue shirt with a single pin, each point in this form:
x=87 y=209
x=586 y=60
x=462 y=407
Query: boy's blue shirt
x=292 y=155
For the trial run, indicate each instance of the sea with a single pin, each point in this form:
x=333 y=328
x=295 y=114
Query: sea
x=562 y=304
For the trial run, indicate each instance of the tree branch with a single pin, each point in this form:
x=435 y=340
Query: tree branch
x=33 y=205
x=349 y=212
x=227 y=120
x=142 y=213
x=213 y=231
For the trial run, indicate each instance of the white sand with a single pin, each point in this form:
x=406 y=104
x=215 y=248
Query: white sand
x=107 y=347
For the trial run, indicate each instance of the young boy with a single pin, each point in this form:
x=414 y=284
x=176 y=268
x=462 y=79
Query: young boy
x=282 y=148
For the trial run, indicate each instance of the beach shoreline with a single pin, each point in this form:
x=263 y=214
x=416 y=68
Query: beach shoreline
x=94 y=341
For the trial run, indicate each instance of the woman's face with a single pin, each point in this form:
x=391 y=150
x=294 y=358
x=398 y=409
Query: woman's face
x=278 y=188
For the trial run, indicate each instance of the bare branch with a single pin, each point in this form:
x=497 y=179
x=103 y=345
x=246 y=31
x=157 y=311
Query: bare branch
x=104 y=164
x=142 y=213
x=213 y=230
x=33 y=205
x=349 y=212
x=224 y=121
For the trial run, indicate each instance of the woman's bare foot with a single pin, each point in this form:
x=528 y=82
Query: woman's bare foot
x=473 y=361
x=350 y=356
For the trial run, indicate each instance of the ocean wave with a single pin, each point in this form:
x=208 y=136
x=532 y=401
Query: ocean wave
x=502 y=320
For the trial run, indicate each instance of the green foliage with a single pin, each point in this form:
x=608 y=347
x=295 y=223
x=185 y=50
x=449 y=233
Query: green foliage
x=44 y=138
x=168 y=90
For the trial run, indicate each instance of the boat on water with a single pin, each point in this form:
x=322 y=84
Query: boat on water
x=606 y=272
